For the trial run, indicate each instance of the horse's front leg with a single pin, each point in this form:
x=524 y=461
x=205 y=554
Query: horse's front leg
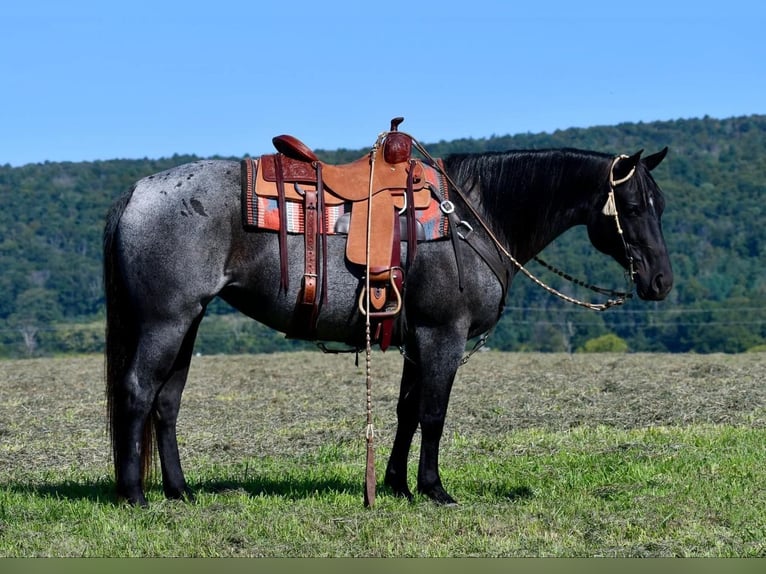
x=433 y=412
x=439 y=354
x=407 y=414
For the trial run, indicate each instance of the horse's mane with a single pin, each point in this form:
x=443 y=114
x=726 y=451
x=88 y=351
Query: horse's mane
x=508 y=183
x=508 y=177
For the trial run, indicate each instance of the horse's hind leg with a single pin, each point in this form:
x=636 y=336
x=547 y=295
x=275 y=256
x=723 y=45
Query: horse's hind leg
x=166 y=407
x=156 y=362
x=130 y=403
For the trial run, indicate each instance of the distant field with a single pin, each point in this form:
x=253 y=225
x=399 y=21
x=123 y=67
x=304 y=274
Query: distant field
x=548 y=454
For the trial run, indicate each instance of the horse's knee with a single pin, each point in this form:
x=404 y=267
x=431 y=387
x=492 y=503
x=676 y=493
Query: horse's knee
x=432 y=425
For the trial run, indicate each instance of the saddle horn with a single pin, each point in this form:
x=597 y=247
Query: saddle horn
x=398 y=146
x=395 y=123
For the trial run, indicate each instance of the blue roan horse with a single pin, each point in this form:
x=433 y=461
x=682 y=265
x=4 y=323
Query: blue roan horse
x=177 y=240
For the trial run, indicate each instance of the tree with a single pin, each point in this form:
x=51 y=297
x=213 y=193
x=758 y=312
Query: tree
x=52 y=218
x=609 y=343
x=36 y=308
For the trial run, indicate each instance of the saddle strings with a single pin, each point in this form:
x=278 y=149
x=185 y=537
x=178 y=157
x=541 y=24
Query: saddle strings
x=620 y=296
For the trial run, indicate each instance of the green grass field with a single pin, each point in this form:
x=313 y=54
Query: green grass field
x=548 y=455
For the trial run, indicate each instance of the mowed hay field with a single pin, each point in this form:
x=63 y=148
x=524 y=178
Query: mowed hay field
x=548 y=455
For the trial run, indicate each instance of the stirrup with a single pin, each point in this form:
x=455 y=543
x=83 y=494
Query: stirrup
x=386 y=312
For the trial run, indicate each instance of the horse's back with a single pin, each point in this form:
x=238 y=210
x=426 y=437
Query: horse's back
x=187 y=196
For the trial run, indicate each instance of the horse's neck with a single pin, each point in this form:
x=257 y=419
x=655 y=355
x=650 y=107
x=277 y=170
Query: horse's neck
x=537 y=212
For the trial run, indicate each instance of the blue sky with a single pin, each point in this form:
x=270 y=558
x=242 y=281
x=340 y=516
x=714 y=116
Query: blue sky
x=86 y=80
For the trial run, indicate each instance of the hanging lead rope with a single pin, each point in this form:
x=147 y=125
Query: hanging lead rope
x=369 y=476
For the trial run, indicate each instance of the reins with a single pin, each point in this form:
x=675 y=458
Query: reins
x=610 y=208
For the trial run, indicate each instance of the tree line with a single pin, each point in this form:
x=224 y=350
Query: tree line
x=52 y=215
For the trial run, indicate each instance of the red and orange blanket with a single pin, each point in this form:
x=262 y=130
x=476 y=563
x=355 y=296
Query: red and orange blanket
x=262 y=212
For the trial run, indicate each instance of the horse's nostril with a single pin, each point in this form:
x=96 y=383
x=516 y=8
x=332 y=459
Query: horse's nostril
x=662 y=283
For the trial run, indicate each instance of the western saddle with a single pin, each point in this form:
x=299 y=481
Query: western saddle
x=383 y=188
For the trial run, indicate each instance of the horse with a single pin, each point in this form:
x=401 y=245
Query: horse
x=176 y=240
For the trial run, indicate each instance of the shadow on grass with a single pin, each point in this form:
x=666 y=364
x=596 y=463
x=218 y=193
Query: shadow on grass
x=102 y=491
x=292 y=488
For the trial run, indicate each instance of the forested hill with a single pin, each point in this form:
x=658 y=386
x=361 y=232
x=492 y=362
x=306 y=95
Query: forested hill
x=52 y=214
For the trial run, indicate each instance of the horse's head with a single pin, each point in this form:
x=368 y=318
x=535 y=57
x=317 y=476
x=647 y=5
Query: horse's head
x=635 y=207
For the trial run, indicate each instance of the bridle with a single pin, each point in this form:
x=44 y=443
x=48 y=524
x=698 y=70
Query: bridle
x=609 y=209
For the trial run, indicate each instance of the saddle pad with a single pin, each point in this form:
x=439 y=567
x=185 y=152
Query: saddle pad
x=262 y=212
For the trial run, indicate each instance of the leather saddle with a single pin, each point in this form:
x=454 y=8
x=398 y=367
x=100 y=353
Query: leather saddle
x=349 y=183
x=384 y=189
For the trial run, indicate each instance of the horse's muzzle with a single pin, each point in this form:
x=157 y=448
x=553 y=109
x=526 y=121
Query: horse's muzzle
x=655 y=287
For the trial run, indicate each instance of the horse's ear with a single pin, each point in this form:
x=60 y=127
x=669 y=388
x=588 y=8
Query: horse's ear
x=654 y=160
x=624 y=167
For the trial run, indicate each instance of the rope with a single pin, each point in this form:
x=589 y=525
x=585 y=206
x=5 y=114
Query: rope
x=580 y=283
x=369 y=478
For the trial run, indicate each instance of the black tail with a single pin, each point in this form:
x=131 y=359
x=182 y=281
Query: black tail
x=121 y=337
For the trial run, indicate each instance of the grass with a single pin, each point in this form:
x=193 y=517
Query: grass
x=603 y=455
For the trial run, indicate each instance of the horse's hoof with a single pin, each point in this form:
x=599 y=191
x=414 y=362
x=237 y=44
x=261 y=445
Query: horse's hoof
x=185 y=494
x=405 y=493
x=399 y=490
x=440 y=496
x=397 y=482
x=133 y=500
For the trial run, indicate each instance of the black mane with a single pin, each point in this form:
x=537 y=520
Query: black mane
x=524 y=172
x=516 y=189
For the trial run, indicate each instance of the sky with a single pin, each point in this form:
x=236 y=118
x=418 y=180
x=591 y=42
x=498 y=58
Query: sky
x=95 y=80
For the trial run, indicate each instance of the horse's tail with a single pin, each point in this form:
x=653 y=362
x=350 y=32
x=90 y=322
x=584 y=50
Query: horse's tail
x=121 y=340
